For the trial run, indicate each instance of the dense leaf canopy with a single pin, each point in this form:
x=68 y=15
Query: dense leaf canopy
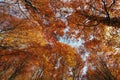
x=59 y=39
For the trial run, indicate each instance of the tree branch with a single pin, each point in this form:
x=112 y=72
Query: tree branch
x=113 y=2
x=107 y=13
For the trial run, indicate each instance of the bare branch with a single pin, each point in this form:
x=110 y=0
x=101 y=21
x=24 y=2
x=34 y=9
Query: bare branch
x=107 y=13
x=113 y=2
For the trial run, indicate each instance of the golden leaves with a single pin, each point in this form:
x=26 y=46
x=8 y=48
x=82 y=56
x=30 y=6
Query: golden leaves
x=54 y=59
x=22 y=37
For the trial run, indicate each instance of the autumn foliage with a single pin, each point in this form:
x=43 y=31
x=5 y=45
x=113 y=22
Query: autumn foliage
x=59 y=40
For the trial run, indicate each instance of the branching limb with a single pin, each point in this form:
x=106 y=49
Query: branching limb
x=29 y=3
x=113 y=2
x=107 y=13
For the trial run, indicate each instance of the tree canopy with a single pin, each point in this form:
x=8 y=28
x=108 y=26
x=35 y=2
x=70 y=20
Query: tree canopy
x=59 y=39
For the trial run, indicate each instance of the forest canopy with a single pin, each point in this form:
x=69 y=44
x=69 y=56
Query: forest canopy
x=59 y=39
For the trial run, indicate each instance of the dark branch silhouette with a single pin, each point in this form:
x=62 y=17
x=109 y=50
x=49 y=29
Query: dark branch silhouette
x=106 y=11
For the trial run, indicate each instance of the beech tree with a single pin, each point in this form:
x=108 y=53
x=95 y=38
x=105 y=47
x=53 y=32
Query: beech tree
x=59 y=40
